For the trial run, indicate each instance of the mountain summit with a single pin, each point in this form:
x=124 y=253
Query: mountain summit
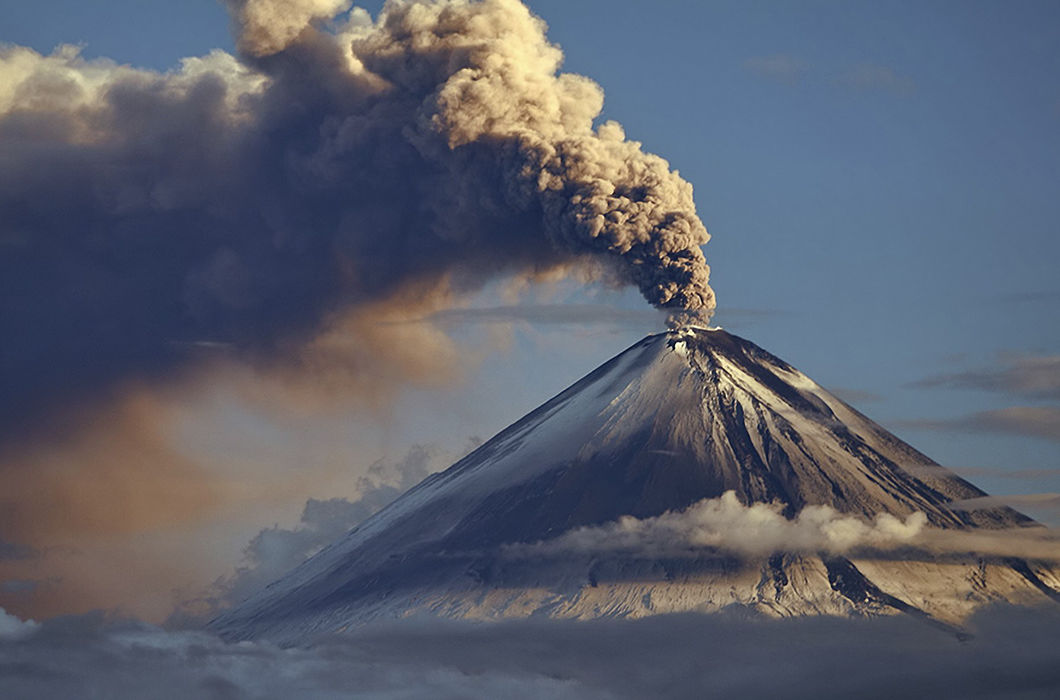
x=680 y=417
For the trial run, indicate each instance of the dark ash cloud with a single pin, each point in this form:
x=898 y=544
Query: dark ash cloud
x=251 y=203
x=1013 y=653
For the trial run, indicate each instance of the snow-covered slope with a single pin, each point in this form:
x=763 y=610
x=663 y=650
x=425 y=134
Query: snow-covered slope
x=679 y=417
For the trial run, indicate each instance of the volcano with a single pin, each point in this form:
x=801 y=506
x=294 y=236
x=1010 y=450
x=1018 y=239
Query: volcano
x=679 y=417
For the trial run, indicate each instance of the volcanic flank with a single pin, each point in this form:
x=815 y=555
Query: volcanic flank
x=694 y=471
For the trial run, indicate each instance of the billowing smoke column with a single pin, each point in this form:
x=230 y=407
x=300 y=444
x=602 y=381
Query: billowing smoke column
x=252 y=201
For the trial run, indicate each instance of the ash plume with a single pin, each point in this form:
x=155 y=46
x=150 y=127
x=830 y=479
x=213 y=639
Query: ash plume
x=252 y=202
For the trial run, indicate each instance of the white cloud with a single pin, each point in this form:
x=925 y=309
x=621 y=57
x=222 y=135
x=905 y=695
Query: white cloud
x=761 y=529
x=725 y=523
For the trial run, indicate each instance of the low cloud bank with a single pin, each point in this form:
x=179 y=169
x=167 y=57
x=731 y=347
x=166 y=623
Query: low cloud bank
x=760 y=529
x=1013 y=654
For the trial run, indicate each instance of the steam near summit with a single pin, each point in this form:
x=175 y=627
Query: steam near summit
x=253 y=201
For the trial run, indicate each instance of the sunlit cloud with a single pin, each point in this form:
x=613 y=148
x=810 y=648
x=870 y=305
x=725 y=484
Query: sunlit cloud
x=761 y=529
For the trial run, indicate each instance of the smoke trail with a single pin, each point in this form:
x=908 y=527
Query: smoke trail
x=255 y=201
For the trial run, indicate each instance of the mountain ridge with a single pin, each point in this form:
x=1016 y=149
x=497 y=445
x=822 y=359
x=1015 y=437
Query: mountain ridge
x=677 y=418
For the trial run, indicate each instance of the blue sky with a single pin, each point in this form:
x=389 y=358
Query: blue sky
x=880 y=181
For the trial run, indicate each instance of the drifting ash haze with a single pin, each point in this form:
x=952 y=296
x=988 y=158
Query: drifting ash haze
x=692 y=472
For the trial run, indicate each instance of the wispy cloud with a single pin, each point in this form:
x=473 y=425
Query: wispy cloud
x=1029 y=421
x=581 y=315
x=1014 y=374
x=1032 y=376
x=550 y=314
x=782 y=68
x=855 y=396
x=871 y=76
x=994 y=472
x=1025 y=500
x=789 y=70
